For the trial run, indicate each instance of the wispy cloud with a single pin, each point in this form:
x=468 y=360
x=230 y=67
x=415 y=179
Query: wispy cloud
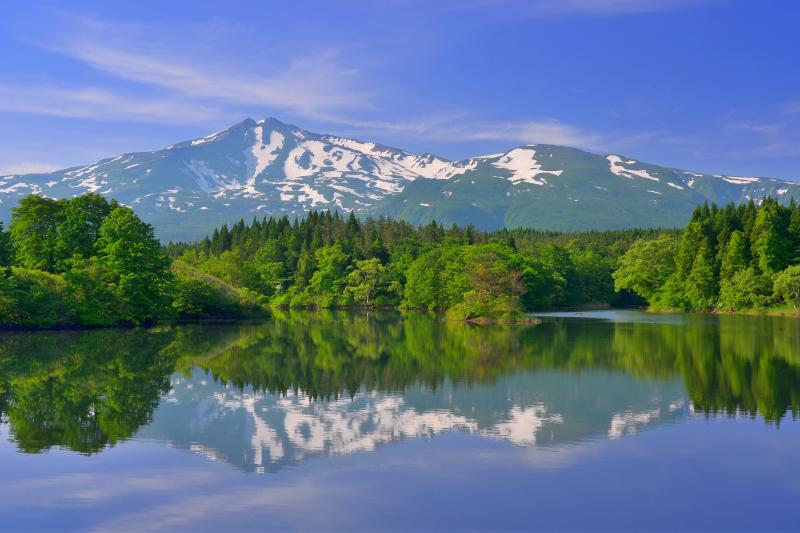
x=161 y=85
x=457 y=127
x=101 y=104
x=29 y=167
x=775 y=134
x=792 y=108
x=318 y=85
x=307 y=82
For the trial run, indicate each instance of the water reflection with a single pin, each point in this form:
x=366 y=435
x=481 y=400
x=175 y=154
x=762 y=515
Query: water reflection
x=261 y=431
x=260 y=396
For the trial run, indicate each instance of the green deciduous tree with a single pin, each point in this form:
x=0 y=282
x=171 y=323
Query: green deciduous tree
x=435 y=279
x=89 y=295
x=138 y=273
x=744 y=289
x=363 y=281
x=80 y=227
x=34 y=231
x=646 y=266
x=787 y=285
x=494 y=284
x=327 y=282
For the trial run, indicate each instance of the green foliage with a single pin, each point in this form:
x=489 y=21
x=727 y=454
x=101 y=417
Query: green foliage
x=701 y=284
x=329 y=278
x=138 y=273
x=91 y=299
x=112 y=270
x=727 y=259
x=82 y=390
x=86 y=391
x=77 y=233
x=363 y=282
x=200 y=295
x=328 y=261
x=32 y=298
x=593 y=275
x=34 y=231
x=744 y=289
x=646 y=266
x=787 y=285
x=435 y=279
x=6 y=248
x=494 y=282
x=770 y=245
x=735 y=255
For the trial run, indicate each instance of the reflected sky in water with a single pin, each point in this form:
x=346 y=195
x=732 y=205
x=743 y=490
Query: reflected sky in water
x=390 y=422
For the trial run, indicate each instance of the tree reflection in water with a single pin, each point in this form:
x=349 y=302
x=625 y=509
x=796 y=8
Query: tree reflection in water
x=88 y=390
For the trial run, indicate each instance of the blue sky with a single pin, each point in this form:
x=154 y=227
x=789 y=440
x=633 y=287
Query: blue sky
x=705 y=85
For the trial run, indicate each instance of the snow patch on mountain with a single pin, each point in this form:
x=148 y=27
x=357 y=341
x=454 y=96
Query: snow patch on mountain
x=616 y=167
x=740 y=180
x=523 y=166
x=259 y=155
x=207 y=138
x=209 y=180
x=272 y=168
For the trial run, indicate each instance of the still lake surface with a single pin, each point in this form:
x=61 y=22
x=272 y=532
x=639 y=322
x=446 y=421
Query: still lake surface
x=596 y=420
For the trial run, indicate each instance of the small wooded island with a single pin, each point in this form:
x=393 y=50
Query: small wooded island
x=90 y=262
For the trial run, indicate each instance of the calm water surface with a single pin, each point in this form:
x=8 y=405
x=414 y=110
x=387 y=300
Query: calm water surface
x=595 y=420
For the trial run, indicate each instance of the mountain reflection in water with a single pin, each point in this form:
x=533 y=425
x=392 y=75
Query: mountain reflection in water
x=261 y=396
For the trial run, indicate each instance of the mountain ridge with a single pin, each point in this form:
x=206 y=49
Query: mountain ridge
x=268 y=167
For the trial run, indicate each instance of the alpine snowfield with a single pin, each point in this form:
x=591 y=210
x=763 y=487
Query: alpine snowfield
x=271 y=168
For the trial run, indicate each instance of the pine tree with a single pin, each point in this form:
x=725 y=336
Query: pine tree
x=769 y=243
x=735 y=255
x=794 y=231
x=701 y=284
x=6 y=249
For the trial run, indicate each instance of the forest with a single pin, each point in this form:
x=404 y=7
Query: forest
x=91 y=262
x=729 y=259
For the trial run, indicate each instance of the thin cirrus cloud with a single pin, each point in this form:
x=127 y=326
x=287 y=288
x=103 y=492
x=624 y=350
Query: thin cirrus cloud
x=317 y=85
x=307 y=84
x=29 y=167
x=100 y=104
x=460 y=128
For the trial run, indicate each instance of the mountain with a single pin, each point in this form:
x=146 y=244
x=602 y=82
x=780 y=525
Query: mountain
x=257 y=431
x=271 y=168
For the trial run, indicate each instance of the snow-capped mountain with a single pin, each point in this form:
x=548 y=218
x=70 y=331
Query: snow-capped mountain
x=271 y=168
x=258 y=431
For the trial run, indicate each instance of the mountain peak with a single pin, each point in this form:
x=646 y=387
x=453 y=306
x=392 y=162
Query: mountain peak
x=268 y=167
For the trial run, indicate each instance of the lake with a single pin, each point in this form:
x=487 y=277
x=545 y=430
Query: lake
x=327 y=421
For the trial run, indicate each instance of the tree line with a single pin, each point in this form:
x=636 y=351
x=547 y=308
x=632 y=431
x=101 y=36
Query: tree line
x=735 y=258
x=329 y=260
x=92 y=262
